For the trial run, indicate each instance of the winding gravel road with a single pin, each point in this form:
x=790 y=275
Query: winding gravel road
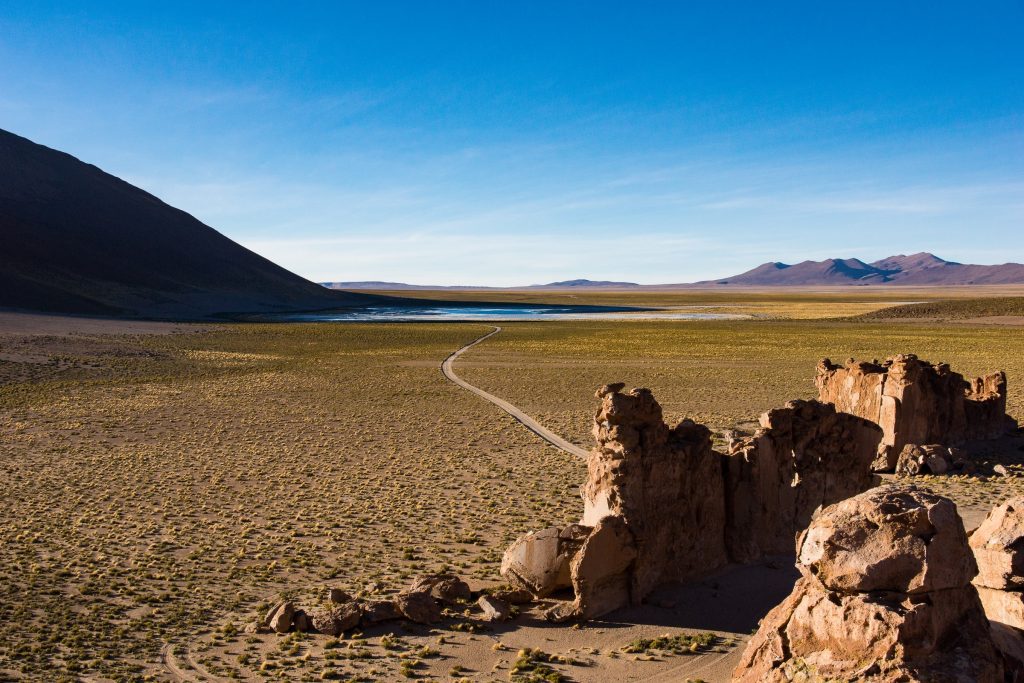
x=527 y=421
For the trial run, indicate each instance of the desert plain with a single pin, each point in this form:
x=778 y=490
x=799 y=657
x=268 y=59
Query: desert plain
x=166 y=482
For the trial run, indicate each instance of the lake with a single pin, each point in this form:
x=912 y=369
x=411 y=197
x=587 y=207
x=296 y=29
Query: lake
x=501 y=313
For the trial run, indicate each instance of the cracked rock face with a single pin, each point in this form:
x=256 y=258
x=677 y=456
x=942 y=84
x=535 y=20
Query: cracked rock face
x=804 y=457
x=915 y=402
x=885 y=595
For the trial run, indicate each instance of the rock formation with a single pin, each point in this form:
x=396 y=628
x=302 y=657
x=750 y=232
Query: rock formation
x=659 y=505
x=915 y=402
x=885 y=594
x=805 y=456
x=665 y=484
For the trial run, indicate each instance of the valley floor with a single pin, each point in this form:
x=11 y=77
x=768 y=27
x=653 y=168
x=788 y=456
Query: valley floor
x=161 y=478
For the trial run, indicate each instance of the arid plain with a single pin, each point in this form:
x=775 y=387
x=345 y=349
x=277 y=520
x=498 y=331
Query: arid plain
x=164 y=481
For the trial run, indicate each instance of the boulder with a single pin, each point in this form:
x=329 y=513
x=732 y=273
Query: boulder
x=418 y=607
x=602 y=573
x=901 y=540
x=281 y=619
x=334 y=618
x=337 y=595
x=494 y=609
x=376 y=611
x=539 y=561
x=998 y=546
x=447 y=588
x=884 y=596
x=302 y=622
x=1003 y=606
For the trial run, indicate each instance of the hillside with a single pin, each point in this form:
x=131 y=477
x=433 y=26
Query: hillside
x=395 y=286
x=921 y=269
x=79 y=240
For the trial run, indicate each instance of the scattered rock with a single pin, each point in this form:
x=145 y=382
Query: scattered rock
x=418 y=607
x=937 y=463
x=269 y=616
x=884 y=596
x=915 y=401
x=1001 y=471
x=495 y=609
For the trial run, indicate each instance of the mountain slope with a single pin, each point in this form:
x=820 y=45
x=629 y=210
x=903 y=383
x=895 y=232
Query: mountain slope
x=916 y=269
x=565 y=284
x=79 y=240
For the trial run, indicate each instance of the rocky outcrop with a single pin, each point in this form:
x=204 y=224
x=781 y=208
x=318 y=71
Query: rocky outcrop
x=915 y=402
x=664 y=483
x=885 y=594
x=804 y=457
x=659 y=505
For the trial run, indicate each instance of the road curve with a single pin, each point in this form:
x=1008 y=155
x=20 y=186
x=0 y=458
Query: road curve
x=527 y=421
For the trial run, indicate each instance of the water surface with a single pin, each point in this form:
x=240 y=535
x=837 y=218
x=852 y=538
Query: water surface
x=502 y=313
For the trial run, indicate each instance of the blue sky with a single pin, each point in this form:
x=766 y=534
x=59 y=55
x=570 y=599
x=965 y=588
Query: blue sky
x=518 y=142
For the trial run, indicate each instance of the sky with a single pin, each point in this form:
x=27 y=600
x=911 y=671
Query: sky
x=520 y=142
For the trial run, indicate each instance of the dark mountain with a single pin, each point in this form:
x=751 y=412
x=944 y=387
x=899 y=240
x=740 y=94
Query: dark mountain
x=78 y=240
x=921 y=269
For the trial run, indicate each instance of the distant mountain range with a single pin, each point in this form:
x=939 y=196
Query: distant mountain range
x=921 y=269
x=78 y=240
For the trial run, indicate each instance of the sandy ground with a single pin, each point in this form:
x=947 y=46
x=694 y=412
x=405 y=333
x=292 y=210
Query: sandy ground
x=729 y=604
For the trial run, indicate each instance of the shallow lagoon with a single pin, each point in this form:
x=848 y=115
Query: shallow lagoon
x=494 y=313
